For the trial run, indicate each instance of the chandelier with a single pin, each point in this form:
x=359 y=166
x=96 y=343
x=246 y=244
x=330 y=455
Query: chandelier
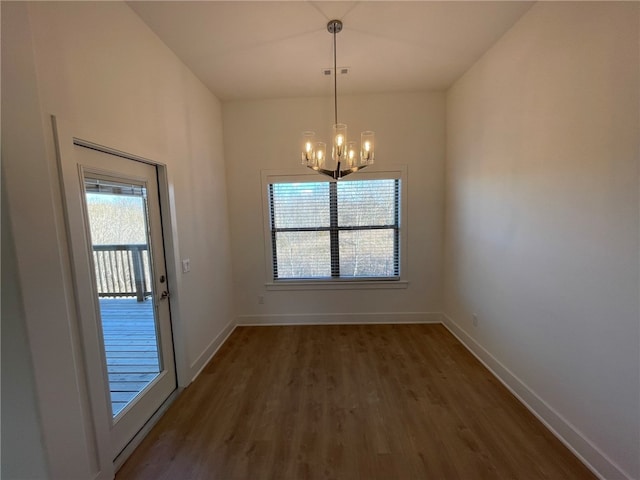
x=345 y=157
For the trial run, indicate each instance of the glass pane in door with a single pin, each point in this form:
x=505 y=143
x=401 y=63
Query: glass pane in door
x=118 y=221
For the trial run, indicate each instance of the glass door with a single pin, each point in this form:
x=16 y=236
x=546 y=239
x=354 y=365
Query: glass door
x=129 y=288
x=119 y=227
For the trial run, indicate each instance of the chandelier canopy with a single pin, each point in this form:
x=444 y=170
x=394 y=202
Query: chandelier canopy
x=345 y=157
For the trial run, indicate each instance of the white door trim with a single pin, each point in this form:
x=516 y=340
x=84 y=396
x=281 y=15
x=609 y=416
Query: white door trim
x=97 y=417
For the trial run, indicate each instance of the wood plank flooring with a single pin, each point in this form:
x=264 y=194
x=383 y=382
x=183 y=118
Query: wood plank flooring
x=348 y=402
x=130 y=347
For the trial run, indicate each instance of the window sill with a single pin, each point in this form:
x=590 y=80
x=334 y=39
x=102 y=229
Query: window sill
x=336 y=284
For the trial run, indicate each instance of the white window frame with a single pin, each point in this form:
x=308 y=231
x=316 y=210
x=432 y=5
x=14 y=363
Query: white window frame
x=290 y=176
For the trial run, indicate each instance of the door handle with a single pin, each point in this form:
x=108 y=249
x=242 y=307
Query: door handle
x=164 y=295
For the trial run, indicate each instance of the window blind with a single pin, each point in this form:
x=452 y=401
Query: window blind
x=324 y=230
x=95 y=186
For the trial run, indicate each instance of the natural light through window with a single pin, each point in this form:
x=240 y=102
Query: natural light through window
x=335 y=230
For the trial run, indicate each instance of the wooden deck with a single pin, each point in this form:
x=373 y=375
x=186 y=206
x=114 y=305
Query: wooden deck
x=130 y=345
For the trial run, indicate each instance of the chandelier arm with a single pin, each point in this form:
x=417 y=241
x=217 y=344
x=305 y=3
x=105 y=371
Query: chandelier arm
x=329 y=173
x=337 y=174
x=344 y=173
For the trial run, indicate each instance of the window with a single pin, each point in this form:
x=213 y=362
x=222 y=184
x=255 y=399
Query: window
x=335 y=230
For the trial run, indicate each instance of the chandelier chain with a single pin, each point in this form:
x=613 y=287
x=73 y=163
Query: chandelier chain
x=335 y=77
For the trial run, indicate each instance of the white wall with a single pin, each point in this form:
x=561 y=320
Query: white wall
x=22 y=450
x=542 y=221
x=264 y=135
x=96 y=66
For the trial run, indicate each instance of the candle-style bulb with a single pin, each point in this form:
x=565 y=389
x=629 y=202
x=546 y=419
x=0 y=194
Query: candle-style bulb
x=367 y=151
x=320 y=155
x=307 y=147
x=339 y=142
x=351 y=154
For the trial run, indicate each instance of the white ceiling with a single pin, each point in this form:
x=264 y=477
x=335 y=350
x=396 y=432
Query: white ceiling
x=270 y=49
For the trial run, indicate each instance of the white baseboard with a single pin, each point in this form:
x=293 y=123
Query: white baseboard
x=596 y=460
x=339 y=318
x=211 y=350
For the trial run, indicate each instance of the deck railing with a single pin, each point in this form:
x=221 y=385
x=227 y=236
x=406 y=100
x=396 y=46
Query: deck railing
x=122 y=270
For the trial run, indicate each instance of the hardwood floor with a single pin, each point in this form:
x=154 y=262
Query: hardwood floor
x=348 y=402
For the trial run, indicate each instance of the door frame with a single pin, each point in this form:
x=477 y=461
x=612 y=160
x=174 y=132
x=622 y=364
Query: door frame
x=97 y=413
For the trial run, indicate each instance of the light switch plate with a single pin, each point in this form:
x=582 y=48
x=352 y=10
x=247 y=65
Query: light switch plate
x=186 y=265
